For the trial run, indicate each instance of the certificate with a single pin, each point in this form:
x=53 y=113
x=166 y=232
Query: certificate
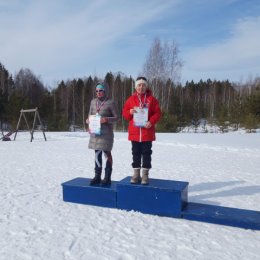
x=140 y=116
x=95 y=124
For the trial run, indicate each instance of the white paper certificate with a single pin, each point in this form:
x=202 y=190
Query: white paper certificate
x=141 y=116
x=95 y=124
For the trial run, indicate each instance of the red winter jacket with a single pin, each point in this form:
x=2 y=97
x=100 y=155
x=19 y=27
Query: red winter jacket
x=154 y=113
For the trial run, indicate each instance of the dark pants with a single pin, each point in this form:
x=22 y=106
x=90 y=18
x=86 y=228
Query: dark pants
x=98 y=161
x=142 y=152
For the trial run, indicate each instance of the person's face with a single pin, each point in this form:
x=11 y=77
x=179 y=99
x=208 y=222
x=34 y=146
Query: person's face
x=100 y=92
x=141 y=88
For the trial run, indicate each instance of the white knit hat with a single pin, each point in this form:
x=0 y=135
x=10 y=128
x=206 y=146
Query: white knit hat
x=141 y=80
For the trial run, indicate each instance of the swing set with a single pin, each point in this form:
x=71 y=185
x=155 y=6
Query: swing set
x=23 y=113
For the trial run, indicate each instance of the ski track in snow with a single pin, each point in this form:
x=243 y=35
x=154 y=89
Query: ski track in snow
x=36 y=224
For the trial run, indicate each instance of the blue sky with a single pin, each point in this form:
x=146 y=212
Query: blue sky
x=217 y=39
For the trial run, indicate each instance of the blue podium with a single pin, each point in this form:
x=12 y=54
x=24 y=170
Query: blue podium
x=79 y=190
x=160 y=197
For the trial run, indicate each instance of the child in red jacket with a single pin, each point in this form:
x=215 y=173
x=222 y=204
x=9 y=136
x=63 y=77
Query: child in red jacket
x=143 y=112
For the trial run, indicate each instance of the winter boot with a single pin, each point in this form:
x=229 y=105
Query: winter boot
x=107 y=179
x=136 y=178
x=96 y=180
x=145 y=178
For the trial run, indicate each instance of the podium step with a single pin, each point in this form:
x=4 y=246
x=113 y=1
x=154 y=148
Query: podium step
x=79 y=190
x=160 y=197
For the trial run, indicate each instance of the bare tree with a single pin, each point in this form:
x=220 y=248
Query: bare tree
x=162 y=64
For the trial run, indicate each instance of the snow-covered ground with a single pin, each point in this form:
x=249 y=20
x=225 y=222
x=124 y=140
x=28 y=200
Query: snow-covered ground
x=35 y=223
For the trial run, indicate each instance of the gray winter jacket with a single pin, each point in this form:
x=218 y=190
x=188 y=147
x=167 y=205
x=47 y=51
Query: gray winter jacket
x=103 y=142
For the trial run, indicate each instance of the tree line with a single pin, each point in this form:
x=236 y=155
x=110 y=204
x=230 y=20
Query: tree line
x=224 y=104
x=221 y=103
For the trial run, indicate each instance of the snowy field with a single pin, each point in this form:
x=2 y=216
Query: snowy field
x=35 y=223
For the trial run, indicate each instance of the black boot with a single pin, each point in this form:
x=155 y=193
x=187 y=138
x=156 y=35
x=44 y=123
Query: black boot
x=96 y=180
x=107 y=179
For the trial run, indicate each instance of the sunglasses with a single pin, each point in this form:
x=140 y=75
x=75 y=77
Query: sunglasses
x=99 y=90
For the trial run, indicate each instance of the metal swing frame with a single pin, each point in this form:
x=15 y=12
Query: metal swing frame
x=36 y=116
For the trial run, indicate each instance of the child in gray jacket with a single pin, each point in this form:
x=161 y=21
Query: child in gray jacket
x=102 y=114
